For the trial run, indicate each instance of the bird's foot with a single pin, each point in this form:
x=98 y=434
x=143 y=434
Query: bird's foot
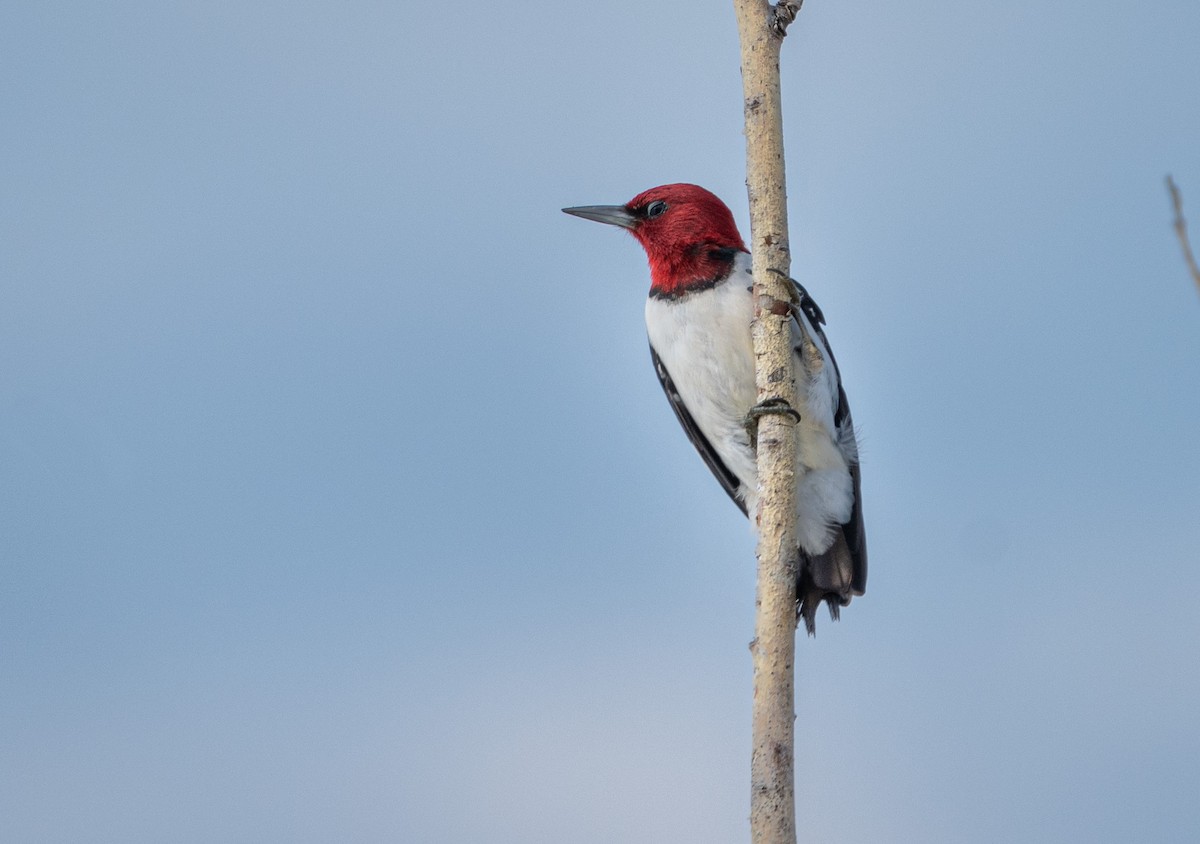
x=767 y=407
x=801 y=301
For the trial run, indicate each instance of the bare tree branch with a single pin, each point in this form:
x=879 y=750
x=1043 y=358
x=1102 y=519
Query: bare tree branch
x=1181 y=230
x=761 y=28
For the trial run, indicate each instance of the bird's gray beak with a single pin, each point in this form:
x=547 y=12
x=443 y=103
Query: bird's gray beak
x=614 y=215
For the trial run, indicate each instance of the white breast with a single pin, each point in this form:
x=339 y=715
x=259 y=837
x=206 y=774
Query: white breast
x=703 y=339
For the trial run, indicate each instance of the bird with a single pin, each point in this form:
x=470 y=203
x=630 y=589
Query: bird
x=698 y=320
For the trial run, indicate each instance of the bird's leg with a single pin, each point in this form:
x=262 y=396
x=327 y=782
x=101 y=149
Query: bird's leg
x=767 y=407
x=800 y=300
x=794 y=289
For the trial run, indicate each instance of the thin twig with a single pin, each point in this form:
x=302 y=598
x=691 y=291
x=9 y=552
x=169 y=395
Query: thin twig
x=1181 y=230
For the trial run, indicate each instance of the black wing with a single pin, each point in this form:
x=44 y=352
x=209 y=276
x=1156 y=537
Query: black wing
x=729 y=481
x=853 y=542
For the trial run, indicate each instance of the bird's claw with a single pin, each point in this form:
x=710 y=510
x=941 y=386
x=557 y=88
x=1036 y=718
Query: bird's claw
x=801 y=301
x=767 y=407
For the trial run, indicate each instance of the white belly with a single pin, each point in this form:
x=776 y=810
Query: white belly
x=704 y=341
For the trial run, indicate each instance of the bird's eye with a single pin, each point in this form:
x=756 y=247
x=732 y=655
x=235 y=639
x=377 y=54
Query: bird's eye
x=655 y=209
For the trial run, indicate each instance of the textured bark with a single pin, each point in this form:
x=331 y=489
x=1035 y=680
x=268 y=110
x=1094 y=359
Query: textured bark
x=772 y=802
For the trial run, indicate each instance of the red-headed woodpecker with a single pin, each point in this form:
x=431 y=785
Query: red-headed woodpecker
x=698 y=317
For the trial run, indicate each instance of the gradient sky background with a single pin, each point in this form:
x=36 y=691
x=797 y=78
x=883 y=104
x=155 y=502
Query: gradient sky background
x=339 y=502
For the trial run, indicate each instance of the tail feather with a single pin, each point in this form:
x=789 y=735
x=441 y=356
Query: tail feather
x=831 y=577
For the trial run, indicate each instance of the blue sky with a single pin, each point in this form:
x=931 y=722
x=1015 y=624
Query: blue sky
x=338 y=499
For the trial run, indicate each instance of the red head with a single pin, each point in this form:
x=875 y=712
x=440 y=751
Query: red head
x=688 y=233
